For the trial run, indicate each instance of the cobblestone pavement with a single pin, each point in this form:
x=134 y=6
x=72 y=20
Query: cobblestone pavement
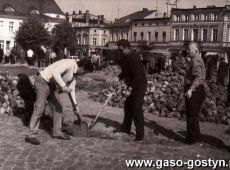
x=105 y=150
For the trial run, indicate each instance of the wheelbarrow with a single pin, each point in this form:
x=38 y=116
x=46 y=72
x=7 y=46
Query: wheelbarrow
x=78 y=127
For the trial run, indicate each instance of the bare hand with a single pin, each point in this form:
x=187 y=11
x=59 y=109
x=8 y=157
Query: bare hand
x=66 y=89
x=188 y=94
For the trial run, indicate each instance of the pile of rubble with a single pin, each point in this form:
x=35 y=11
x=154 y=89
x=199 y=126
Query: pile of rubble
x=165 y=97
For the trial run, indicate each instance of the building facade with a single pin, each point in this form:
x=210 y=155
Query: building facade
x=91 y=30
x=204 y=25
x=14 y=13
x=122 y=27
x=153 y=32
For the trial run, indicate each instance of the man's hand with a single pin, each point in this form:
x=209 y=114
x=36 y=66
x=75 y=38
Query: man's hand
x=188 y=94
x=66 y=89
x=76 y=109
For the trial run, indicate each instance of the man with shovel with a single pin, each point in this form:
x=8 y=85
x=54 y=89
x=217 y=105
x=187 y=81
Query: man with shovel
x=133 y=74
x=49 y=84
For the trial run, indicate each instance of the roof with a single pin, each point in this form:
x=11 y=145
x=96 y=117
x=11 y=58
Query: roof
x=209 y=8
x=26 y=6
x=127 y=20
x=153 y=19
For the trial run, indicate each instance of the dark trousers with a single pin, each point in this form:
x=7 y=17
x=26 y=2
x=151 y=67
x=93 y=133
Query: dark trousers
x=133 y=111
x=193 y=106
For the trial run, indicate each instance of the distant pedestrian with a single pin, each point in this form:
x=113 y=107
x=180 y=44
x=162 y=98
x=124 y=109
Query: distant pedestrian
x=52 y=57
x=1 y=55
x=30 y=55
x=222 y=72
x=7 y=56
x=194 y=93
x=96 y=61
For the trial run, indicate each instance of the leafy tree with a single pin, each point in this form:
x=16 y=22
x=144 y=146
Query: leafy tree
x=32 y=34
x=63 y=36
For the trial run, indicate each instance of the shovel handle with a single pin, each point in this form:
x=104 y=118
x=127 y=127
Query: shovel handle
x=74 y=108
x=101 y=109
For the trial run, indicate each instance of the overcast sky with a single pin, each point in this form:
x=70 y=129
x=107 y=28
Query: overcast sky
x=117 y=8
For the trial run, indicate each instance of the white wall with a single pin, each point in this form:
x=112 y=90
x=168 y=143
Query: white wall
x=5 y=34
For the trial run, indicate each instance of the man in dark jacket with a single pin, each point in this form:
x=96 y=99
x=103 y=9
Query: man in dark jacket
x=1 y=54
x=133 y=74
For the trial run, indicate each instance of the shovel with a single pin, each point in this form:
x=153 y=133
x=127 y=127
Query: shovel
x=101 y=109
x=79 y=127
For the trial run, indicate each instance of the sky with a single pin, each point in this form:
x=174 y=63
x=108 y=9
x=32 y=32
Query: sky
x=112 y=9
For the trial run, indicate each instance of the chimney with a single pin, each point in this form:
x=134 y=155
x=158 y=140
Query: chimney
x=98 y=20
x=145 y=9
x=194 y=7
x=80 y=12
x=102 y=16
x=164 y=15
x=87 y=17
x=74 y=13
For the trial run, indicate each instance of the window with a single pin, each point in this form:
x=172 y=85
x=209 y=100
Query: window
x=84 y=40
x=176 y=34
x=142 y=36
x=2 y=44
x=195 y=35
x=202 y=17
x=177 y=18
x=11 y=26
x=216 y=17
x=186 y=17
x=185 y=34
x=127 y=36
x=214 y=35
x=103 y=42
x=196 y=17
x=94 y=41
x=143 y=24
x=78 y=40
x=206 y=17
x=104 y=32
x=192 y=17
x=150 y=24
x=149 y=37
x=205 y=35
x=211 y=17
x=135 y=36
x=164 y=36
x=1 y=25
x=135 y=25
x=156 y=36
x=94 y=30
x=182 y=17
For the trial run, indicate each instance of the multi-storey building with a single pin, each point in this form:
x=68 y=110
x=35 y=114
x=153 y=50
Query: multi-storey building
x=91 y=30
x=204 y=25
x=13 y=13
x=152 y=32
x=122 y=27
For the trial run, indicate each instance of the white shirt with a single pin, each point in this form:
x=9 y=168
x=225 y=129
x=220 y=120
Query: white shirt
x=62 y=73
x=30 y=53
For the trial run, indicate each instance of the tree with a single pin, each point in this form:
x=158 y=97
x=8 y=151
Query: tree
x=63 y=36
x=32 y=34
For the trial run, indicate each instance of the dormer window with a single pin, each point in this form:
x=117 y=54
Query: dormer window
x=9 y=9
x=57 y=16
x=35 y=12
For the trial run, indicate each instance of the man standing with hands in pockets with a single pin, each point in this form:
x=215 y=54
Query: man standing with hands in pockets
x=194 y=92
x=49 y=84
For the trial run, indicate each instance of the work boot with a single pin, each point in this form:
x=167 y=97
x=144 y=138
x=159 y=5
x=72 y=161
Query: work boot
x=62 y=136
x=32 y=140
